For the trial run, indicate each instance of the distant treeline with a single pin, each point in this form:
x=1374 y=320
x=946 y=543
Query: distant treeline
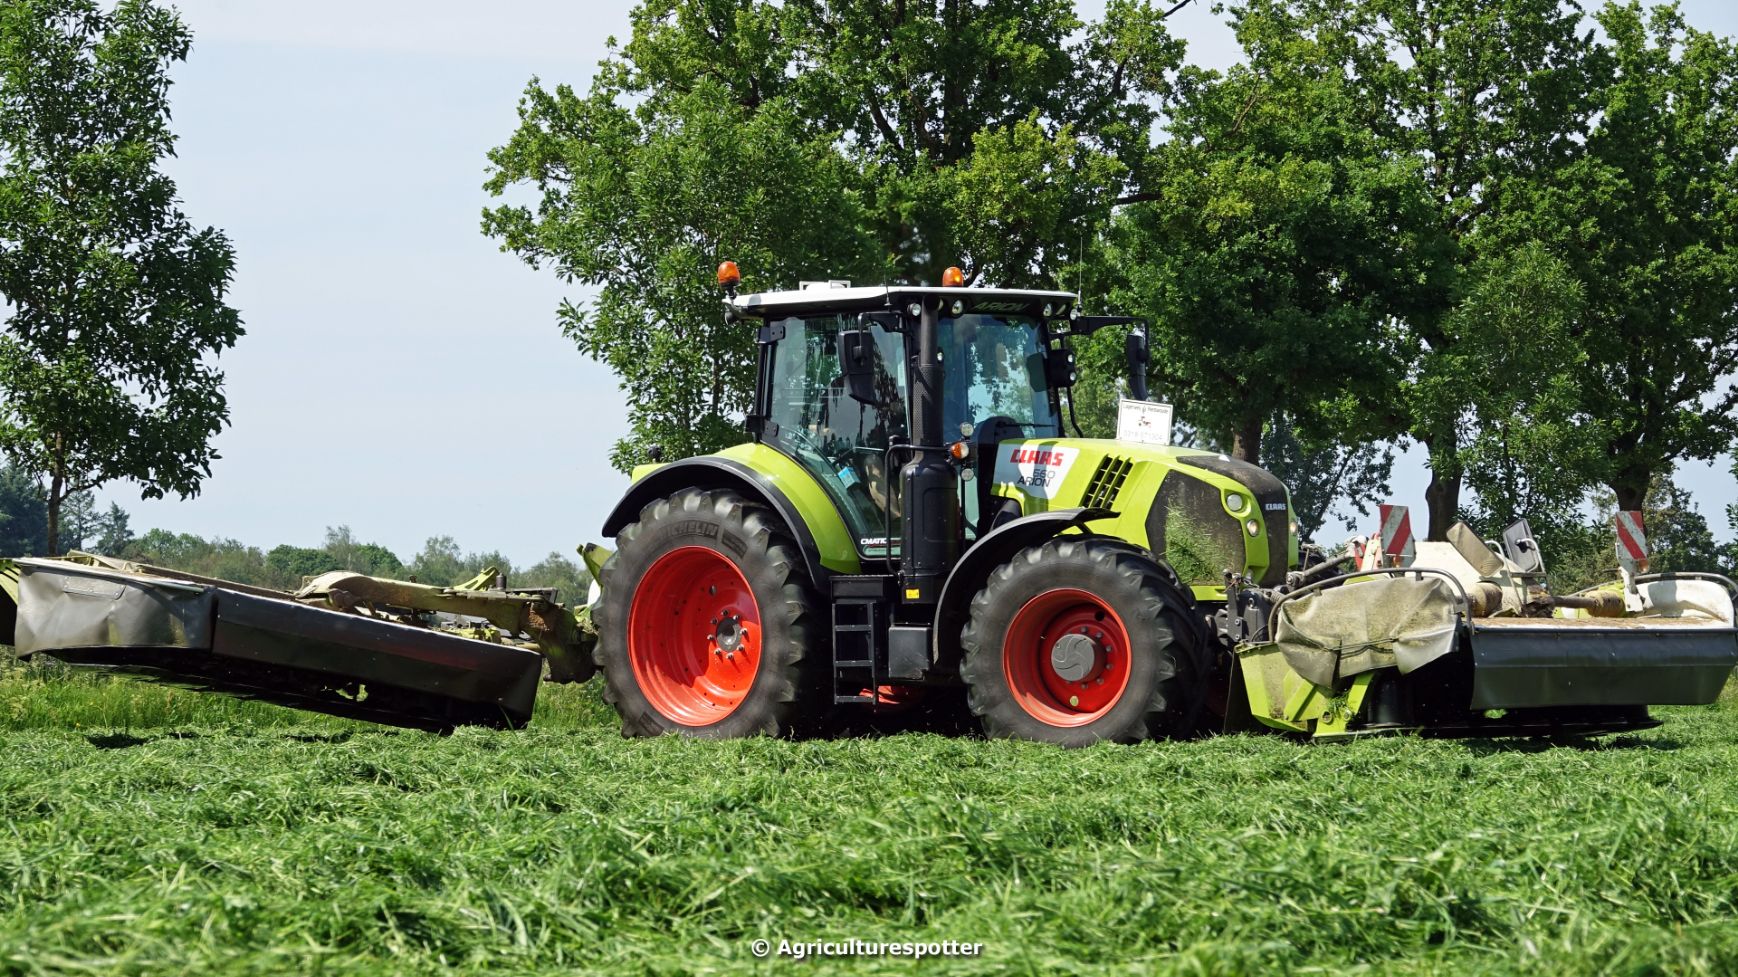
x=23 y=522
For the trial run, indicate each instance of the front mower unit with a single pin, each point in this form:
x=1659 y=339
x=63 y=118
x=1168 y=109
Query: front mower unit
x=1465 y=643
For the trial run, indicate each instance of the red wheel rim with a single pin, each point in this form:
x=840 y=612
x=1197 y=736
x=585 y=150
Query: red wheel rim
x=1066 y=657
x=694 y=636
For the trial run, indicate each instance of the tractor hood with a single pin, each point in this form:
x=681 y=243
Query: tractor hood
x=1202 y=512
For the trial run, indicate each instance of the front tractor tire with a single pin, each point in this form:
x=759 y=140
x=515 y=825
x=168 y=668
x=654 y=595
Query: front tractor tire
x=708 y=625
x=1082 y=640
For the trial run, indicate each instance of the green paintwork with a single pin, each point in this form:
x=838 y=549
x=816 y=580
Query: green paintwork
x=832 y=539
x=1281 y=699
x=1152 y=463
x=838 y=550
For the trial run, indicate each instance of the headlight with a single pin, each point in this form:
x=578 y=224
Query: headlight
x=1048 y=308
x=958 y=307
x=915 y=310
x=1254 y=527
x=1235 y=503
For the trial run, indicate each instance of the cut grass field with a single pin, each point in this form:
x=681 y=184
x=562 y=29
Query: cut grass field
x=154 y=831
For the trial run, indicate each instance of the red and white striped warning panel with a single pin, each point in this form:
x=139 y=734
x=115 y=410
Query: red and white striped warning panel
x=1631 y=542
x=1398 y=547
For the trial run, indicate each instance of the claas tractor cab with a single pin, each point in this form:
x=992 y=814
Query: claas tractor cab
x=910 y=510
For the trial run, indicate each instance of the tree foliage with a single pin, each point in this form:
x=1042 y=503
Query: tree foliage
x=1324 y=475
x=815 y=140
x=116 y=299
x=1519 y=427
x=643 y=206
x=1482 y=225
x=1276 y=246
x=1479 y=97
x=1647 y=217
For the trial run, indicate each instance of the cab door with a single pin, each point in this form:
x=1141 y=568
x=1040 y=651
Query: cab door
x=841 y=441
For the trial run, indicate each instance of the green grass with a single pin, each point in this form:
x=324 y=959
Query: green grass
x=151 y=831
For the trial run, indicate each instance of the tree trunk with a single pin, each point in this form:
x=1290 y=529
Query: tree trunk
x=1442 y=495
x=1246 y=441
x=56 y=495
x=1631 y=487
x=56 y=487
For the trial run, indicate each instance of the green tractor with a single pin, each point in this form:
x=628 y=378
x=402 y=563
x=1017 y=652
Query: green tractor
x=910 y=513
x=909 y=520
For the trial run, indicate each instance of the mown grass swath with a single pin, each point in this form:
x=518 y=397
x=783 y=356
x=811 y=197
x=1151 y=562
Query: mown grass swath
x=152 y=830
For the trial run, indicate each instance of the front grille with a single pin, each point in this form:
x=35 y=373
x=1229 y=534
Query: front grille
x=1270 y=507
x=1189 y=529
x=1107 y=482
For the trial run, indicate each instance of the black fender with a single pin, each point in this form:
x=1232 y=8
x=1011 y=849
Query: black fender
x=709 y=472
x=995 y=548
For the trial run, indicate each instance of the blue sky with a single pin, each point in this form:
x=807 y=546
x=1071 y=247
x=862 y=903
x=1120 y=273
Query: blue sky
x=400 y=375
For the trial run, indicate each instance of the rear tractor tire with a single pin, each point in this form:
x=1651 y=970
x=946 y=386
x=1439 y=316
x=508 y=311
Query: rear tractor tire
x=1082 y=640
x=709 y=625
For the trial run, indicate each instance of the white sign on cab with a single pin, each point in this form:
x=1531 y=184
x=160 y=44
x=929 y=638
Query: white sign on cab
x=1143 y=422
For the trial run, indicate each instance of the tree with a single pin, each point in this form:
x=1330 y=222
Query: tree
x=1582 y=554
x=292 y=564
x=1278 y=246
x=1510 y=382
x=78 y=521
x=1486 y=98
x=116 y=300
x=371 y=559
x=644 y=211
x=223 y=559
x=815 y=140
x=22 y=513
x=933 y=102
x=1729 y=553
x=112 y=532
x=1679 y=538
x=569 y=578
x=1648 y=217
x=440 y=562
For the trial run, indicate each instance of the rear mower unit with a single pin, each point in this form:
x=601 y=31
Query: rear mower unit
x=386 y=651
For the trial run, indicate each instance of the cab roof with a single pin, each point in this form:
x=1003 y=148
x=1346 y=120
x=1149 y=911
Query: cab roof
x=871 y=297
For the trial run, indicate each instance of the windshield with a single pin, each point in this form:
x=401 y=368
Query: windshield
x=995 y=368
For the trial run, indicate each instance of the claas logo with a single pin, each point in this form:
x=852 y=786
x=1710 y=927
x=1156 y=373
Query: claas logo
x=1038 y=456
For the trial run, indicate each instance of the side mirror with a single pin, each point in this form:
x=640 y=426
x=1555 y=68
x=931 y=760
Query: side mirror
x=857 y=356
x=1138 y=358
